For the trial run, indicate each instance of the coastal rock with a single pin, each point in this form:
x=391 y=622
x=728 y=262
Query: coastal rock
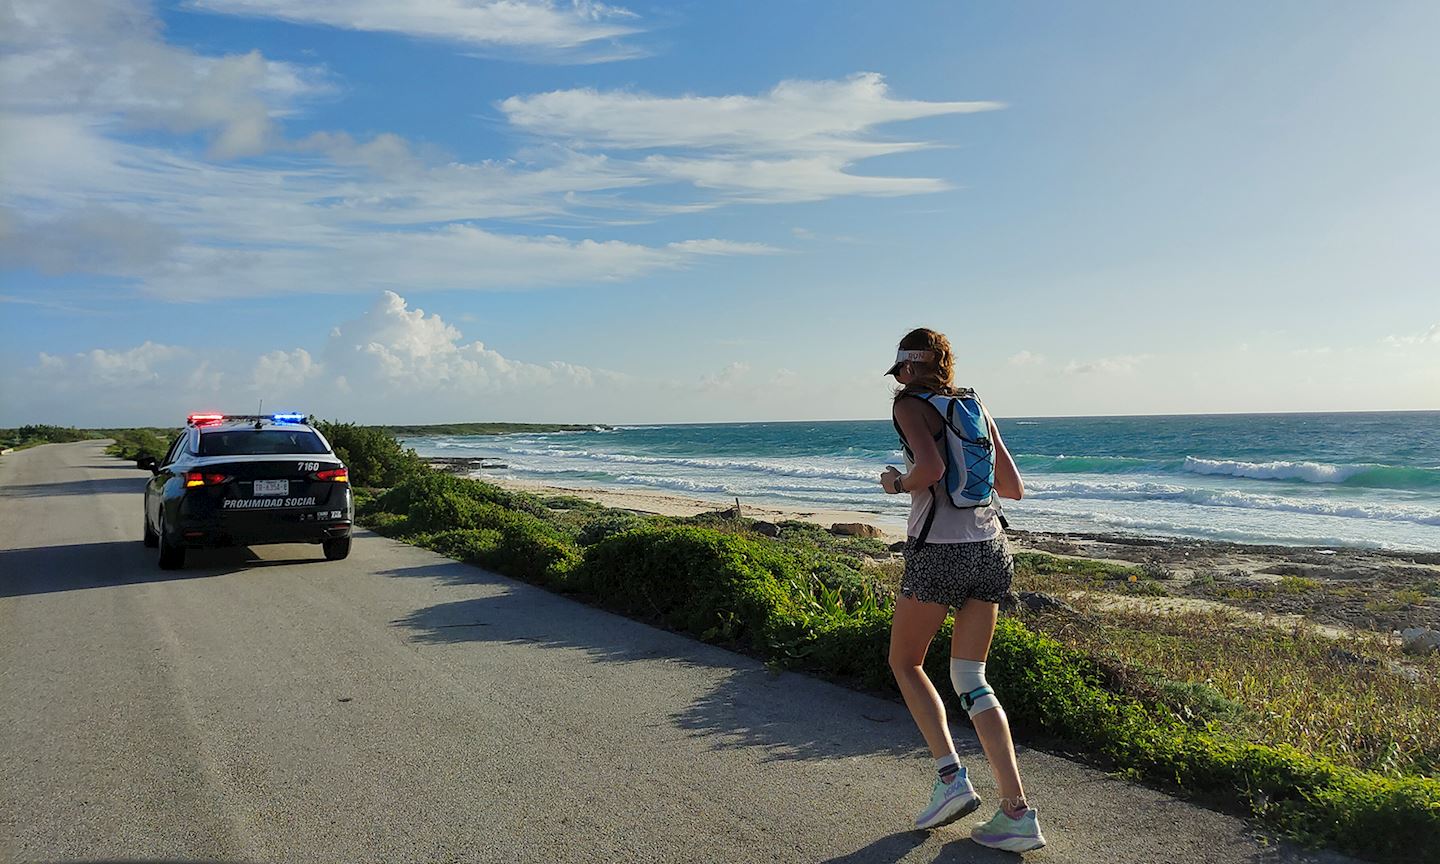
x=854 y=529
x=768 y=529
x=1419 y=640
x=1039 y=601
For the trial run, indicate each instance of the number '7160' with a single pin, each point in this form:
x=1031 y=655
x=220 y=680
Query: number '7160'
x=308 y=466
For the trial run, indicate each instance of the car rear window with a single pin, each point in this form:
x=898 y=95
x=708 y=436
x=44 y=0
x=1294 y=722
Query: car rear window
x=260 y=442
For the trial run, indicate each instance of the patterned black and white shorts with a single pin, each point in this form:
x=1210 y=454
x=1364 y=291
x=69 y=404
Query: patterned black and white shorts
x=951 y=573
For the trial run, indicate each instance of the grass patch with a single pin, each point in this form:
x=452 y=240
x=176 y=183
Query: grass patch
x=1297 y=585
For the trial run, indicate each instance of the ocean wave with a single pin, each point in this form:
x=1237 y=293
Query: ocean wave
x=1366 y=475
x=1232 y=499
x=817 y=468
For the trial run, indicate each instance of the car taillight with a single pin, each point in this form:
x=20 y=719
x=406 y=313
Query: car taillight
x=335 y=475
x=200 y=478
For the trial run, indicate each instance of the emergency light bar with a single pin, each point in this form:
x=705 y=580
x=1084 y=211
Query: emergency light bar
x=212 y=419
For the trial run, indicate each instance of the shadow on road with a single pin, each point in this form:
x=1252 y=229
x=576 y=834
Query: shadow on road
x=121 y=485
x=894 y=847
x=79 y=566
x=751 y=706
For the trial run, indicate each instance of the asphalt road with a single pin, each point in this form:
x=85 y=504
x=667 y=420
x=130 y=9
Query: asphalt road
x=267 y=705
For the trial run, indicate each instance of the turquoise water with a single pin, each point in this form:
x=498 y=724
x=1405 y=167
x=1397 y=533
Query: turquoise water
x=1355 y=479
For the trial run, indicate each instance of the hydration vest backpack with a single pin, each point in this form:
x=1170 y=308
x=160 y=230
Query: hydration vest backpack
x=968 y=451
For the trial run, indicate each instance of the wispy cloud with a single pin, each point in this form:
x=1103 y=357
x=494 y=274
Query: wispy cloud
x=795 y=143
x=108 y=61
x=541 y=25
x=1027 y=358
x=1431 y=335
x=1124 y=364
x=794 y=117
x=334 y=212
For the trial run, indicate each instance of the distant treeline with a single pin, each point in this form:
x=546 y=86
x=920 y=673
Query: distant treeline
x=486 y=428
x=35 y=434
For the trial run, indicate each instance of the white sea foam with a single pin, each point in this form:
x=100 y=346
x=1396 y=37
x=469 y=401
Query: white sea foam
x=1233 y=499
x=1308 y=472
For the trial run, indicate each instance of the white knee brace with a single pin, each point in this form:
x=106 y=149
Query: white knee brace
x=968 y=678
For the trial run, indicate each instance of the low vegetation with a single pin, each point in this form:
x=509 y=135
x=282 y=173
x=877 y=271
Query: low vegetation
x=128 y=444
x=133 y=444
x=1331 y=749
x=36 y=434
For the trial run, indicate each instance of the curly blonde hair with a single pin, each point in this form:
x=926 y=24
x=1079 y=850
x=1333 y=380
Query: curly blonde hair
x=936 y=375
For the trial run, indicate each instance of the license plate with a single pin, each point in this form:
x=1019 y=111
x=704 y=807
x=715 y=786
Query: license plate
x=272 y=487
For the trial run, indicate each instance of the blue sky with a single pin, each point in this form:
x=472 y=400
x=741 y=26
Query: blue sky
x=437 y=210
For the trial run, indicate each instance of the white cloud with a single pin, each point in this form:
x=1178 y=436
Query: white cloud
x=131 y=368
x=280 y=373
x=187 y=229
x=454 y=257
x=335 y=213
x=786 y=180
x=108 y=60
x=1429 y=336
x=795 y=143
x=1027 y=358
x=727 y=379
x=794 y=117
x=391 y=362
x=95 y=240
x=1120 y=365
x=542 y=24
x=392 y=349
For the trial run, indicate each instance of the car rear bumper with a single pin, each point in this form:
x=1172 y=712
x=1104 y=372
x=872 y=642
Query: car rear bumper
x=258 y=529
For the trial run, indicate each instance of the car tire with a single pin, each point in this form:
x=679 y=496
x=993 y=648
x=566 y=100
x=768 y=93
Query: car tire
x=151 y=538
x=172 y=557
x=337 y=549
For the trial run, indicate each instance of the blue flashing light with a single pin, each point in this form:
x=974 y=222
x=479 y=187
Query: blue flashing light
x=288 y=418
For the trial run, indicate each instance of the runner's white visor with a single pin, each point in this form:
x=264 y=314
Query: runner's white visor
x=902 y=357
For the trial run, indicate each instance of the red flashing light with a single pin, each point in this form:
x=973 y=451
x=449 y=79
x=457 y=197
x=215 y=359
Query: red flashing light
x=335 y=475
x=205 y=419
x=200 y=478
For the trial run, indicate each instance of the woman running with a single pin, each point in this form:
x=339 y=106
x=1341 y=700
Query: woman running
x=955 y=557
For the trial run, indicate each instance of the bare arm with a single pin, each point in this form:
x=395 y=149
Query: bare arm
x=1007 y=477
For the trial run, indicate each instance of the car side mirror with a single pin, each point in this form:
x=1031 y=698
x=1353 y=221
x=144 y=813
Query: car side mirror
x=148 y=463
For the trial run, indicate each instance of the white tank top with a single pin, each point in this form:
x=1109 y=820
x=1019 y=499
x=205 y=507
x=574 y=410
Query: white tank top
x=952 y=524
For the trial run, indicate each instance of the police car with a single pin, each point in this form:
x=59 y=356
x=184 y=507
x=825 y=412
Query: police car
x=247 y=480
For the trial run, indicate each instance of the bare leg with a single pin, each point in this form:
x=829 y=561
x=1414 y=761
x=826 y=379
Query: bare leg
x=974 y=627
x=914 y=627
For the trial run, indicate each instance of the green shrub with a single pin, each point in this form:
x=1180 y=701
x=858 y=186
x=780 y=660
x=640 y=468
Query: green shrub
x=466 y=519
x=417 y=489
x=389 y=524
x=132 y=444
x=714 y=585
x=465 y=544
x=372 y=455
x=608 y=525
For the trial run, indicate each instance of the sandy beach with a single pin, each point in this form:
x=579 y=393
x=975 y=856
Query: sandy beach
x=662 y=504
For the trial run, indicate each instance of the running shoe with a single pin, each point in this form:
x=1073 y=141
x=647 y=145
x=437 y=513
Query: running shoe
x=948 y=802
x=1011 y=835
